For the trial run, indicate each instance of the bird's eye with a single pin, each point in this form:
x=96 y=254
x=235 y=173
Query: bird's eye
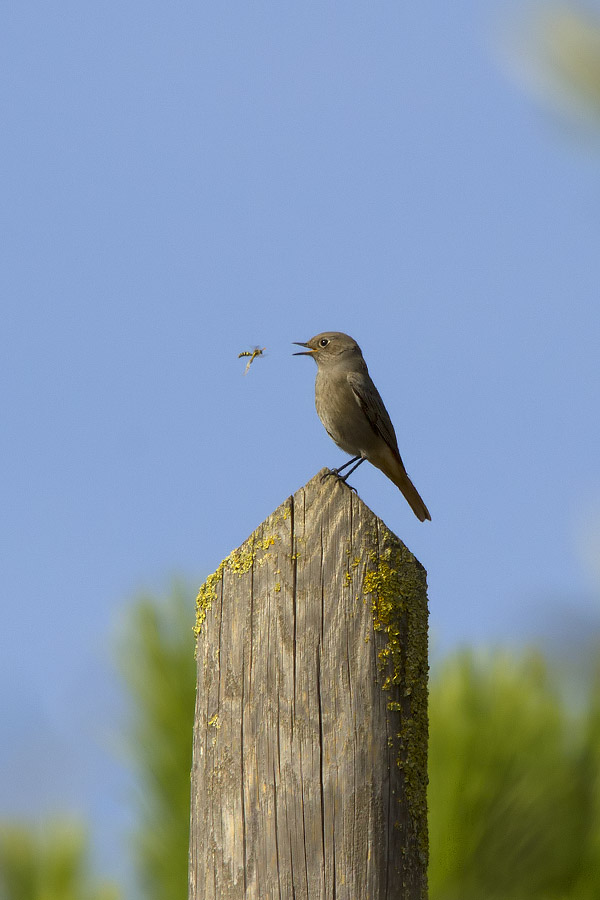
x=324 y=341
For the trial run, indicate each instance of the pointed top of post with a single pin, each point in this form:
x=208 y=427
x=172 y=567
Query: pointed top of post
x=312 y=691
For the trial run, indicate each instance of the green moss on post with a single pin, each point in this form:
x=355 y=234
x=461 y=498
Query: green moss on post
x=239 y=562
x=310 y=739
x=397 y=585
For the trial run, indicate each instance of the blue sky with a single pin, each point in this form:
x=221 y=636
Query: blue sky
x=183 y=181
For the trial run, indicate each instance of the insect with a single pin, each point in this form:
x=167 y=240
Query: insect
x=253 y=355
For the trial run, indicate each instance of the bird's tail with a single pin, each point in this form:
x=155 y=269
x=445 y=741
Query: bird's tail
x=397 y=473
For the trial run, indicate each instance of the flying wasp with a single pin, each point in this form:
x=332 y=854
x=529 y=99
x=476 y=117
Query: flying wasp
x=253 y=354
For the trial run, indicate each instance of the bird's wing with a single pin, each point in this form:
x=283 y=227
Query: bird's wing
x=367 y=397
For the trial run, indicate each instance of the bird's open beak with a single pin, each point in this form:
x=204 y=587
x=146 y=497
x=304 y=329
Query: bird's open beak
x=308 y=352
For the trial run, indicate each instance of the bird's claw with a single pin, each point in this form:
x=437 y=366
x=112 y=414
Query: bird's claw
x=327 y=474
x=339 y=477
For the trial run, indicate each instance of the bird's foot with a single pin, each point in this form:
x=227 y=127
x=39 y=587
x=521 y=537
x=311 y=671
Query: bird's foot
x=339 y=477
x=331 y=472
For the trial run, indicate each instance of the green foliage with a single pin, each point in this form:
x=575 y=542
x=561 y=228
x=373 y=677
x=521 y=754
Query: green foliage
x=514 y=796
x=514 y=784
x=569 y=44
x=514 y=799
x=156 y=655
x=48 y=864
x=588 y=887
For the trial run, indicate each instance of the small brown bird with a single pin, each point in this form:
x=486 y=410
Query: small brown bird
x=350 y=408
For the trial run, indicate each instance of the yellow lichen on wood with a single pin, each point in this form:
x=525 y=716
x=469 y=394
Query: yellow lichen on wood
x=254 y=551
x=206 y=596
x=396 y=585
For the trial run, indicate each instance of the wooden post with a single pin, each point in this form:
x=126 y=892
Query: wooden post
x=310 y=739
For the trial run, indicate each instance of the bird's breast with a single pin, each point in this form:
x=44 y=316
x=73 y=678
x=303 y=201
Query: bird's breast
x=340 y=412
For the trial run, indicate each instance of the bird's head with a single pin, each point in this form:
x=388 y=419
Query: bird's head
x=329 y=347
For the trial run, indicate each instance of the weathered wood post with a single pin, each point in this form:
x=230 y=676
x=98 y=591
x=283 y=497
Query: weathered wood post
x=310 y=738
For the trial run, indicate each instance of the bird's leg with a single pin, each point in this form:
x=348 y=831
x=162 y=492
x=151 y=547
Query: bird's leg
x=361 y=459
x=336 y=472
x=349 y=463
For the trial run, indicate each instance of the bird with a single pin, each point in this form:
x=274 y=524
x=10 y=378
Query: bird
x=353 y=413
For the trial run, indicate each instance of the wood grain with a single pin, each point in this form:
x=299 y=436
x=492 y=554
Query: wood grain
x=310 y=737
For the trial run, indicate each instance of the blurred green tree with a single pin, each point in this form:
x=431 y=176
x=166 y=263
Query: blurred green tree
x=514 y=774
x=588 y=883
x=514 y=792
x=553 y=47
x=568 y=44
x=156 y=656
x=49 y=863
